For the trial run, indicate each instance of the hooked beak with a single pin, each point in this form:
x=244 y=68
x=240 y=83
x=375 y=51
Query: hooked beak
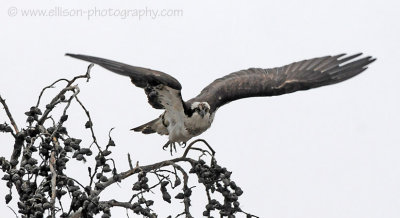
x=202 y=113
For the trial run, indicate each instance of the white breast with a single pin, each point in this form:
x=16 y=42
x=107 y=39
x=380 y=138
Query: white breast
x=180 y=127
x=197 y=124
x=189 y=127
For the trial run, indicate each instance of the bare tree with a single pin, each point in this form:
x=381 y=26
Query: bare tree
x=43 y=150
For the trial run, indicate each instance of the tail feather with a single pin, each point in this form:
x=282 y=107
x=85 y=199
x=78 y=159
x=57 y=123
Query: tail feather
x=154 y=126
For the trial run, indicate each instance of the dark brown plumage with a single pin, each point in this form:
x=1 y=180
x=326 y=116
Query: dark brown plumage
x=140 y=77
x=253 y=82
x=303 y=75
x=184 y=120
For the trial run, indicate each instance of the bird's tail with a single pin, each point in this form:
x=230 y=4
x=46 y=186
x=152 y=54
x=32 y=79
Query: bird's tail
x=154 y=126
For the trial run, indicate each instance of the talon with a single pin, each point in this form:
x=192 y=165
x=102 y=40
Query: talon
x=171 y=145
x=166 y=145
x=183 y=144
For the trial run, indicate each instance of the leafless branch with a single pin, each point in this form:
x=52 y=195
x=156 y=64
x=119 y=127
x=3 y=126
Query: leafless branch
x=55 y=100
x=46 y=182
x=53 y=184
x=48 y=87
x=130 y=161
x=194 y=142
x=90 y=123
x=10 y=117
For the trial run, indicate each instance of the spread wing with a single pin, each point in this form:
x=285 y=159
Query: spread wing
x=162 y=90
x=297 y=76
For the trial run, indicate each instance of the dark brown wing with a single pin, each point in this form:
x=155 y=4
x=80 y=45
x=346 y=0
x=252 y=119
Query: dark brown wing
x=297 y=76
x=141 y=77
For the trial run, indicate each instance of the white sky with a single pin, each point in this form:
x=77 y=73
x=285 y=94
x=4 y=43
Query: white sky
x=329 y=152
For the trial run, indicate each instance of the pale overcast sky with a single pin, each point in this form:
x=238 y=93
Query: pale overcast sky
x=329 y=152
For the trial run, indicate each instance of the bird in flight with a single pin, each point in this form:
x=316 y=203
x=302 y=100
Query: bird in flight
x=183 y=120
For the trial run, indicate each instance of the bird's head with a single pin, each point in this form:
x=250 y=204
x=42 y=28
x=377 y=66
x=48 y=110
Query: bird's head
x=201 y=108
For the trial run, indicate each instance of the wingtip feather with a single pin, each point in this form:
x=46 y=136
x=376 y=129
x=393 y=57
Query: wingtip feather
x=339 y=55
x=71 y=55
x=137 y=129
x=348 y=58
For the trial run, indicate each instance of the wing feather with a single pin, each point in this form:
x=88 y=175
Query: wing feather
x=302 y=75
x=155 y=83
x=140 y=76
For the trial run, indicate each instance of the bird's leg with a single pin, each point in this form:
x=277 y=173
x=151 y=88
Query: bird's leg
x=171 y=146
x=174 y=146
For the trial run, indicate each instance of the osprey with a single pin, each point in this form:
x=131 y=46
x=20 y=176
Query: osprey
x=183 y=120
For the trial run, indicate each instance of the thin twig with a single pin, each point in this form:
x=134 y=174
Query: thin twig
x=130 y=161
x=53 y=103
x=48 y=87
x=68 y=87
x=194 y=142
x=16 y=215
x=186 y=200
x=3 y=102
x=86 y=75
x=90 y=120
